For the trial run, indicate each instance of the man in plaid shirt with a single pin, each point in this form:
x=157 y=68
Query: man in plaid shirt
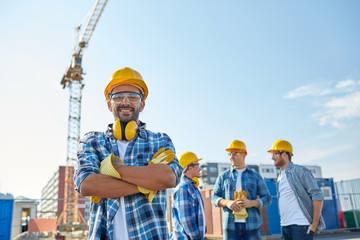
x=188 y=217
x=240 y=178
x=128 y=194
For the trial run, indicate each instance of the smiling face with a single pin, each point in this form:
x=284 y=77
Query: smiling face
x=126 y=110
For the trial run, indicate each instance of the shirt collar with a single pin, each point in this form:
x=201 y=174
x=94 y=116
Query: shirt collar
x=234 y=172
x=186 y=179
x=290 y=166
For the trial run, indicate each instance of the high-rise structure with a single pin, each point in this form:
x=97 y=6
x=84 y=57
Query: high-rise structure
x=53 y=194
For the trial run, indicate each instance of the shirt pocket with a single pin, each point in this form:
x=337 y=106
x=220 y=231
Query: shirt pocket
x=194 y=200
x=251 y=189
x=141 y=159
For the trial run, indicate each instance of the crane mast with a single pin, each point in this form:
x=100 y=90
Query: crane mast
x=70 y=217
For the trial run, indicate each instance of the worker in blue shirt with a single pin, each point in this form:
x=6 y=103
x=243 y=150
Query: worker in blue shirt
x=240 y=179
x=126 y=169
x=188 y=217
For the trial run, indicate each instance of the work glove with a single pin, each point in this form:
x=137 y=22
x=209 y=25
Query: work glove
x=238 y=196
x=107 y=167
x=160 y=157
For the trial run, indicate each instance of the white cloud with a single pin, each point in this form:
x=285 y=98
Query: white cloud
x=307 y=90
x=314 y=155
x=335 y=108
x=339 y=109
x=345 y=83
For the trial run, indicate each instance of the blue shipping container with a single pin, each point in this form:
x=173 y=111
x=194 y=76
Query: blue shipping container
x=6 y=212
x=329 y=211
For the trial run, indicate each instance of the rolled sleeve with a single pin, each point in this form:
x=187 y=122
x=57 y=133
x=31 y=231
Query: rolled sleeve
x=311 y=185
x=264 y=194
x=175 y=166
x=217 y=194
x=88 y=160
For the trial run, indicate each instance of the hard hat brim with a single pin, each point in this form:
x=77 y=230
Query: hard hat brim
x=234 y=149
x=120 y=81
x=272 y=151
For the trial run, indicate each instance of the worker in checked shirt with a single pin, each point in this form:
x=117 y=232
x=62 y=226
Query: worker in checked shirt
x=126 y=169
x=300 y=198
x=240 y=178
x=188 y=218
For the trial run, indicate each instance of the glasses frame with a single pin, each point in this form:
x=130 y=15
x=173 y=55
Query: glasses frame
x=235 y=153
x=193 y=164
x=130 y=92
x=275 y=153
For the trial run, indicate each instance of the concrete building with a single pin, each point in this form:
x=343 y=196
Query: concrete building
x=52 y=196
x=24 y=210
x=210 y=171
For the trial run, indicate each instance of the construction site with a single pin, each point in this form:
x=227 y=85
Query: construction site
x=61 y=213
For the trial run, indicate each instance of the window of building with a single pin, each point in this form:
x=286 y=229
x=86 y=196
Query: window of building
x=213 y=169
x=212 y=180
x=25 y=218
x=267 y=170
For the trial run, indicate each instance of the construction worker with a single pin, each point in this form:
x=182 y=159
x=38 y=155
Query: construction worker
x=188 y=218
x=126 y=169
x=300 y=199
x=236 y=191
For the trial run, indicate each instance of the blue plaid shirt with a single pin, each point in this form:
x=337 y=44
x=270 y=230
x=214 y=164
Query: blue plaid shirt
x=144 y=220
x=187 y=211
x=305 y=188
x=253 y=184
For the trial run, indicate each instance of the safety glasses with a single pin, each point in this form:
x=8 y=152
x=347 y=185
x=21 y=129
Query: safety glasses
x=234 y=153
x=133 y=97
x=275 y=153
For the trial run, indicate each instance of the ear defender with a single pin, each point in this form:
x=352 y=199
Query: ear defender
x=124 y=131
x=196 y=181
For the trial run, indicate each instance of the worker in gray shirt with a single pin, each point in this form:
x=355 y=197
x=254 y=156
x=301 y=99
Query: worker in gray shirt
x=300 y=198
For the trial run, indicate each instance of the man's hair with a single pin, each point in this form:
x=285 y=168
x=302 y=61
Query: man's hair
x=289 y=155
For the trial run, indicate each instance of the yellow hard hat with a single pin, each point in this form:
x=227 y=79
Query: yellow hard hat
x=281 y=145
x=126 y=76
x=236 y=145
x=187 y=158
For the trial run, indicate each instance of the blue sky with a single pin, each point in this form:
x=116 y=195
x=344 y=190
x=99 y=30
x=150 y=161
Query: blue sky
x=257 y=71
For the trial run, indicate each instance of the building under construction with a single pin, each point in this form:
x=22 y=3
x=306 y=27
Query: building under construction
x=53 y=196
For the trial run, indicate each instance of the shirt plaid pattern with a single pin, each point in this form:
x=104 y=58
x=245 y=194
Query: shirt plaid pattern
x=187 y=211
x=253 y=184
x=305 y=188
x=145 y=220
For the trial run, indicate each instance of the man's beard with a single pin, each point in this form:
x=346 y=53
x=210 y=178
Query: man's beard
x=134 y=117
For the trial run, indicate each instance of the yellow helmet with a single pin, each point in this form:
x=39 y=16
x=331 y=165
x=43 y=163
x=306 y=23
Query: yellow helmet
x=237 y=145
x=187 y=158
x=126 y=76
x=281 y=145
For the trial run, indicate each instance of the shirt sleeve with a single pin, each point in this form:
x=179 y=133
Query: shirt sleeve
x=217 y=194
x=88 y=160
x=186 y=212
x=263 y=192
x=175 y=166
x=310 y=184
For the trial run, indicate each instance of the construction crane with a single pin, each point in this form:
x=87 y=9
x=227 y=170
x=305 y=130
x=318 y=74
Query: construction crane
x=71 y=218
